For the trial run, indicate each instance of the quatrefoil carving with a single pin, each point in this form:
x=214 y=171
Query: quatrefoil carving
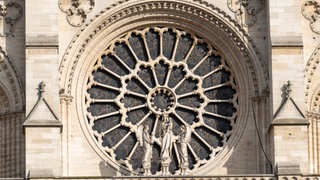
x=76 y=10
x=10 y=14
x=311 y=11
x=246 y=11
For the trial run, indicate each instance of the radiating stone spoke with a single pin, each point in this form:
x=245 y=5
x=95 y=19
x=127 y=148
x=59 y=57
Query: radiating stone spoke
x=123 y=63
x=216 y=86
x=155 y=76
x=106 y=86
x=219 y=101
x=187 y=107
x=133 y=150
x=102 y=100
x=180 y=119
x=111 y=72
x=136 y=94
x=212 y=72
x=175 y=48
x=202 y=140
x=186 y=95
x=168 y=76
x=124 y=138
x=213 y=130
x=143 y=83
x=144 y=118
x=161 y=43
x=190 y=50
x=136 y=107
x=155 y=126
x=217 y=115
x=199 y=63
x=106 y=115
x=192 y=152
x=146 y=47
x=110 y=130
x=133 y=53
x=177 y=153
x=179 y=83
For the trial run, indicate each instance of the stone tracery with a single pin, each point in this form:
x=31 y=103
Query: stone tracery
x=246 y=11
x=311 y=11
x=155 y=71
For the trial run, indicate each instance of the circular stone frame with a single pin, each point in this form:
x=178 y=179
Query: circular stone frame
x=203 y=19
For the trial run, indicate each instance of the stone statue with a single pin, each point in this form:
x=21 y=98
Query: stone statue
x=166 y=143
x=183 y=140
x=146 y=142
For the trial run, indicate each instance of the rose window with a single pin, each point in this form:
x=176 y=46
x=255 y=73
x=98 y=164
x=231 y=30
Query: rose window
x=161 y=101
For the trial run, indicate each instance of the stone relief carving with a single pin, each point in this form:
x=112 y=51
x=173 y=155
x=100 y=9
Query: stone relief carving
x=311 y=11
x=246 y=11
x=184 y=139
x=10 y=14
x=76 y=10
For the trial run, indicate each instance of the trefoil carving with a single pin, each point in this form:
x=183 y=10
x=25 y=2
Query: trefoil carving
x=76 y=10
x=246 y=11
x=10 y=14
x=311 y=11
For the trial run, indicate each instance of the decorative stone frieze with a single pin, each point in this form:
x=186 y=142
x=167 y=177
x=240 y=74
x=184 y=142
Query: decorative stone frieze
x=10 y=14
x=246 y=11
x=76 y=10
x=311 y=11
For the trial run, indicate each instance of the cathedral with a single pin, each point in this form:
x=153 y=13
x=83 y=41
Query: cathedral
x=150 y=89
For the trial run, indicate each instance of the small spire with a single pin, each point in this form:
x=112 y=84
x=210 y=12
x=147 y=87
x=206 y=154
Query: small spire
x=41 y=89
x=288 y=89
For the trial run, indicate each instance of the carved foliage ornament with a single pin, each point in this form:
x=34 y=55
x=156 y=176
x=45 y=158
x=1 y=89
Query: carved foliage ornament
x=311 y=11
x=10 y=14
x=169 y=82
x=76 y=10
x=246 y=11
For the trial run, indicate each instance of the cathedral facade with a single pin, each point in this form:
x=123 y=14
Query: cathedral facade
x=172 y=89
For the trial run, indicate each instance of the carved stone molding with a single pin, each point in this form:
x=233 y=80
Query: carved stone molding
x=311 y=11
x=10 y=83
x=182 y=8
x=10 y=14
x=4 y=105
x=76 y=10
x=246 y=11
x=312 y=67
